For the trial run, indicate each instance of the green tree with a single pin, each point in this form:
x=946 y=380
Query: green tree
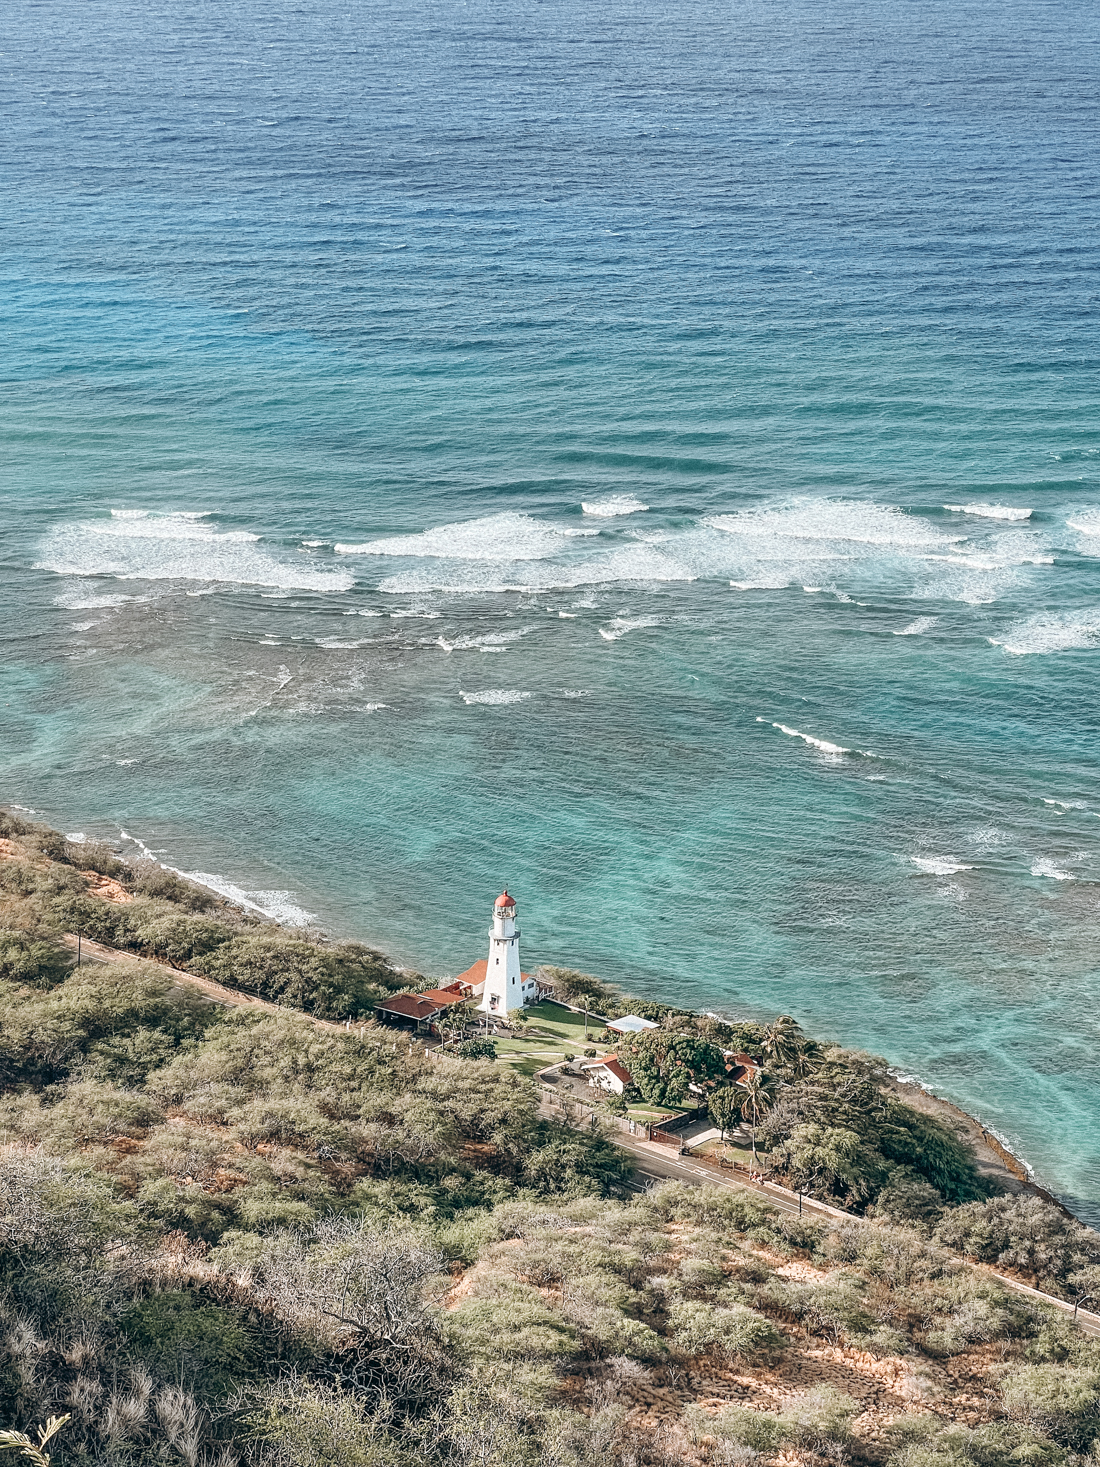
x=782 y=1040
x=724 y=1107
x=759 y=1098
x=478 y=1049
x=663 y=1064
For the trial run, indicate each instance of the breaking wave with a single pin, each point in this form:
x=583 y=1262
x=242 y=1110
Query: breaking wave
x=939 y=865
x=495 y=697
x=1046 y=867
x=617 y=504
x=991 y=511
x=136 y=545
x=1051 y=631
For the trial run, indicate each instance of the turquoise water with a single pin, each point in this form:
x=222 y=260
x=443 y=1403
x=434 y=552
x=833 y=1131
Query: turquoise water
x=321 y=325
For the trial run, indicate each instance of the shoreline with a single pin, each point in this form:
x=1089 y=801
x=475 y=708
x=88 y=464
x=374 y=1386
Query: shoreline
x=993 y=1158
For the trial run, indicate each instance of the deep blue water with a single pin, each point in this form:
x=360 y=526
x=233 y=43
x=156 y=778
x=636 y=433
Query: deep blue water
x=285 y=278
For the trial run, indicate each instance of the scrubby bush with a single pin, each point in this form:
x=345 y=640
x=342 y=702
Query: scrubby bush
x=727 y=1334
x=1023 y=1233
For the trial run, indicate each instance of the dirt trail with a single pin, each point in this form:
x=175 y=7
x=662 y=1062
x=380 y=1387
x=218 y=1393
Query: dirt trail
x=233 y=998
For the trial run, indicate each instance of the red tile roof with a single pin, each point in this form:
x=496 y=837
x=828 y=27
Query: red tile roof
x=476 y=972
x=411 y=1006
x=619 y=1071
x=443 y=997
x=504 y=900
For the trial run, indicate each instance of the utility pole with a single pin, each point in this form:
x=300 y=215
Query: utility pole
x=79 y=935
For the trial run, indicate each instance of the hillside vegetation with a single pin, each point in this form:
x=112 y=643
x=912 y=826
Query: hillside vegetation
x=243 y=1237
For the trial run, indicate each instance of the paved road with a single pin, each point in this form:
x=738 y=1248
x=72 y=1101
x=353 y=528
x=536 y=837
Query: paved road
x=657 y=1163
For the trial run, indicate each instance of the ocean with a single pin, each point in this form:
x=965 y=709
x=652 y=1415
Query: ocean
x=644 y=456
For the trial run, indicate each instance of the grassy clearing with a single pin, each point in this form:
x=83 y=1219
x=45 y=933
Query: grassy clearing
x=650 y=1112
x=554 y=1021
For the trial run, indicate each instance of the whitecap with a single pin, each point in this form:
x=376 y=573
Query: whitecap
x=1046 y=867
x=144 y=546
x=617 y=504
x=823 y=744
x=940 y=865
x=313 y=544
x=991 y=511
x=1050 y=631
x=832 y=520
x=567 y=615
x=1086 y=522
x=623 y=624
x=79 y=601
x=495 y=696
x=485 y=643
x=916 y=628
x=499 y=537
x=1067 y=804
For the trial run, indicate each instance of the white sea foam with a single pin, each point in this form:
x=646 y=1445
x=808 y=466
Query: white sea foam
x=80 y=601
x=823 y=744
x=495 y=696
x=485 y=643
x=280 y=906
x=1046 y=867
x=178 y=547
x=623 y=624
x=815 y=520
x=1085 y=522
x=939 y=865
x=567 y=615
x=817 y=543
x=991 y=511
x=77 y=837
x=499 y=537
x=916 y=628
x=83 y=626
x=362 y=613
x=576 y=692
x=313 y=544
x=1051 y=631
x=617 y=504
x=417 y=615
x=1067 y=804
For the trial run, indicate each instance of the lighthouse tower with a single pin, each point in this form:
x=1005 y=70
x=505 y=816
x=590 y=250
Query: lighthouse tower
x=505 y=986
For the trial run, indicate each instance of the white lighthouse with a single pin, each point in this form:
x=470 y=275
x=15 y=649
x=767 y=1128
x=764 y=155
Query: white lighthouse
x=505 y=986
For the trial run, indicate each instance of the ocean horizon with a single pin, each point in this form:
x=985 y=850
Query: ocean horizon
x=646 y=459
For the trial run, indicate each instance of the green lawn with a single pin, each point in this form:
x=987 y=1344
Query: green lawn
x=716 y=1148
x=650 y=1112
x=554 y=1021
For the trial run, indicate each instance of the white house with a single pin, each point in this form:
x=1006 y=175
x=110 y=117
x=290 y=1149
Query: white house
x=608 y=1074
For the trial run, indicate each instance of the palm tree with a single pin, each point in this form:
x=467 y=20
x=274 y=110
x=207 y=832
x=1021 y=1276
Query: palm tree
x=759 y=1098
x=782 y=1040
x=806 y=1060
